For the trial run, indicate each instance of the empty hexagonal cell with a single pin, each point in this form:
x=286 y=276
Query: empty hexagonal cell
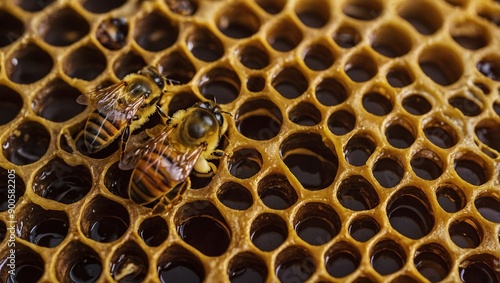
x=318 y=57
x=470 y=34
x=85 y=63
x=11 y=104
x=347 y=36
x=28 y=64
x=416 y=104
x=27 y=143
x=294 y=262
x=128 y=63
x=155 y=32
x=391 y=41
x=441 y=64
x=238 y=21
x=488 y=207
x=330 y=92
x=245 y=163
x=203 y=44
x=45 y=228
x=284 y=35
x=479 y=268
x=450 y=197
x=247 y=267
x=362 y=10
x=235 y=196
x=290 y=82
x=472 y=169
x=410 y=214
x=129 y=263
x=256 y=83
x=112 y=33
x=387 y=257
x=433 y=262
x=178 y=264
x=377 y=103
x=268 y=231
x=356 y=193
x=358 y=149
x=62 y=182
x=177 y=67
x=181 y=100
x=99 y=7
x=488 y=132
x=489 y=13
x=466 y=233
x=63 y=27
x=259 y=119
x=276 y=192
x=388 y=171
x=316 y=223
x=104 y=220
x=201 y=225
x=253 y=56
x=305 y=114
x=466 y=106
x=11 y=28
x=424 y=16
x=440 y=133
x=489 y=66
x=27 y=265
x=363 y=228
x=33 y=5
x=10 y=182
x=341 y=122
x=313 y=16
x=153 y=231
x=57 y=102
x=311 y=161
x=220 y=84
x=117 y=181
x=78 y=262
x=427 y=165
x=360 y=67
x=183 y=8
x=271 y=7
x=342 y=259
x=399 y=77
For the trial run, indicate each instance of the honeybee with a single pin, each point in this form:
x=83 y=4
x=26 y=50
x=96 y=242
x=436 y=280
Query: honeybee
x=163 y=164
x=122 y=108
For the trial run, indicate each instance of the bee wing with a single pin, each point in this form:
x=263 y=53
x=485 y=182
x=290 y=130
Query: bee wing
x=180 y=164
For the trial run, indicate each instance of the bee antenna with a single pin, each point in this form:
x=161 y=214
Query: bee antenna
x=225 y=112
x=160 y=68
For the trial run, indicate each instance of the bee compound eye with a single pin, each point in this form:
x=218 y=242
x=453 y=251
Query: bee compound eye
x=137 y=89
x=220 y=118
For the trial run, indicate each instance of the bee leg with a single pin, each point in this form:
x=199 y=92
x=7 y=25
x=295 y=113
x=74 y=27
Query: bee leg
x=218 y=153
x=160 y=111
x=125 y=137
x=166 y=204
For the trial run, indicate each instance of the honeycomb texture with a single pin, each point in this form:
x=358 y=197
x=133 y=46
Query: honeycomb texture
x=363 y=146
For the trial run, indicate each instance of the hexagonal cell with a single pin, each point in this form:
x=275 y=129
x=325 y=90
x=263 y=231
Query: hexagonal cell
x=201 y=225
x=99 y=7
x=489 y=66
x=318 y=57
x=312 y=162
x=276 y=192
x=313 y=16
x=284 y=35
x=479 y=268
x=128 y=63
x=377 y=103
x=398 y=135
x=57 y=102
x=391 y=41
x=62 y=182
x=234 y=196
x=346 y=36
x=470 y=34
x=433 y=262
x=416 y=104
x=341 y=122
x=466 y=106
x=316 y=223
x=247 y=267
x=466 y=233
x=356 y=193
x=129 y=263
x=399 y=77
x=104 y=220
x=181 y=100
x=33 y=5
x=155 y=32
x=294 y=262
x=363 y=228
x=177 y=67
x=488 y=132
x=342 y=259
x=63 y=27
x=28 y=142
x=360 y=67
x=10 y=180
x=441 y=64
x=153 y=231
x=11 y=28
x=305 y=114
x=358 y=149
x=290 y=82
x=112 y=33
x=268 y=231
x=177 y=263
x=245 y=163
x=86 y=63
x=490 y=14
x=451 y=198
x=488 y=207
x=238 y=21
x=220 y=84
x=203 y=44
x=28 y=264
x=388 y=171
x=256 y=83
x=387 y=257
x=424 y=16
x=183 y=8
x=410 y=214
x=259 y=119
x=271 y=7
x=440 y=133
x=253 y=56
x=362 y=10
x=28 y=64
x=11 y=104
x=472 y=169
x=78 y=262
x=427 y=165
x=330 y=92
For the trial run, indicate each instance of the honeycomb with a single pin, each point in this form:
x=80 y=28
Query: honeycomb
x=363 y=146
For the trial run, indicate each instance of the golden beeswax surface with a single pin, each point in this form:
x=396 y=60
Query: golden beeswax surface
x=363 y=142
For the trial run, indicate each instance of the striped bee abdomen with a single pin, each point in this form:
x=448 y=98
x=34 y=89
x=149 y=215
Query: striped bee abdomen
x=100 y=132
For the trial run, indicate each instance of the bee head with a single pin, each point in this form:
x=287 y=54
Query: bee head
x=155 y=75
x=202 y=121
